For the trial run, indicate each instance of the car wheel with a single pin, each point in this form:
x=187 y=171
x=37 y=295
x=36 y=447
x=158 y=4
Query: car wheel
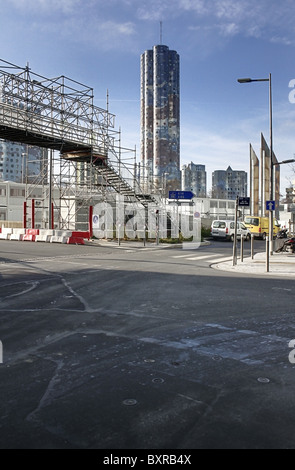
x=248 y=237
x=264 y=236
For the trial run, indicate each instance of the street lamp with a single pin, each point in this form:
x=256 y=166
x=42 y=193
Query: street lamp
x=250 y=80
x=292 y=160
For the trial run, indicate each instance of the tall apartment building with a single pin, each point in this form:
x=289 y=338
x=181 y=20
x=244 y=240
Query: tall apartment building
x=160 y=119
x=194 y=178
x=228 y=184
x=22 y=163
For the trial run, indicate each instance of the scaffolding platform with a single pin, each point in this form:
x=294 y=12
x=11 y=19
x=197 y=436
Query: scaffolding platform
x=59 y=114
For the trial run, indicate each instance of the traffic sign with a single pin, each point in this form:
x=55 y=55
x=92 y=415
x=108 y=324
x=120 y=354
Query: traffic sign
x=244 y=201
x=181 y=195
x=270 y=205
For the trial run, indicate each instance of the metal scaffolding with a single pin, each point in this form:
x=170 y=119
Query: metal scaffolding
x=87 y=161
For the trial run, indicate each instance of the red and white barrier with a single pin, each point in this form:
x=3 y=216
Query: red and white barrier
x=6 y=233
x=46 y=236
x=18 y=234
x=30 y=235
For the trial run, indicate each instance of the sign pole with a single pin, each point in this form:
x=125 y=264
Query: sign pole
x=267 y=254
x=157 y=228
x=270 y=206
x=235 y=235
x=271 y=232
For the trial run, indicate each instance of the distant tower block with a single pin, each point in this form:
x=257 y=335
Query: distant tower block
x=160 y=119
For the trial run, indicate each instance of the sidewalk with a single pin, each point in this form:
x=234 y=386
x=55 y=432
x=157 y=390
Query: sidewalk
x=280 y=264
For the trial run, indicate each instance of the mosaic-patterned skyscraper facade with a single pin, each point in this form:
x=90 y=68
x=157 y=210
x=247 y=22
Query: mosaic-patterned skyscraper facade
x=160 y=119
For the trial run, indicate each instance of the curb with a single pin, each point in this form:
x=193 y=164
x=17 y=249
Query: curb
x=279 y=265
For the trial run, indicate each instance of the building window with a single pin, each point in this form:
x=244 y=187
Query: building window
x=16 y=192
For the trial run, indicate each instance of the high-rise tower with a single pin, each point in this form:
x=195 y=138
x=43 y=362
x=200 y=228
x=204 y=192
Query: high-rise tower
x=160 y=119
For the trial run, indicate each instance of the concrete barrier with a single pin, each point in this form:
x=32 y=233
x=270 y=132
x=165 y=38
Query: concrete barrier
x=44 y=236
x=30 y=235
x=17 y=234
x=61 y=236
x=6 y=233
x=75 y=241
x=84 y=235
x=56 y=239
x=62 y=233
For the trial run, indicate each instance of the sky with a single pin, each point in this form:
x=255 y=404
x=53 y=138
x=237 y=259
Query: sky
x=99 y=43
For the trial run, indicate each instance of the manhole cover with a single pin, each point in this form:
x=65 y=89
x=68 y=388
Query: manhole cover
x=263 y=380
x=216 y=358
x=158 y=381
x=130 y=402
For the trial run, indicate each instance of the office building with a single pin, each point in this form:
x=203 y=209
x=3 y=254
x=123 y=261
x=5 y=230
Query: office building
x=22 y=163
x=228 y=184
x=160 y=119
x=194 y=178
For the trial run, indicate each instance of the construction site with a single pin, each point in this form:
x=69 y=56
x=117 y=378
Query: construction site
x=84 y=162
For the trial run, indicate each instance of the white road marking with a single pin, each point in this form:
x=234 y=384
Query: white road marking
x=196 y=258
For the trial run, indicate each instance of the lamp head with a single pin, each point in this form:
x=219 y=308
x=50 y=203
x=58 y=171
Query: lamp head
x=244 y=80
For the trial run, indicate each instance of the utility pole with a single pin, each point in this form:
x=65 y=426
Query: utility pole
x=235 y=235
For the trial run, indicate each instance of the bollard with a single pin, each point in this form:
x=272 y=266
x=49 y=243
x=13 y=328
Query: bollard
x=235 y=256
x=242 y=248
x=252 y=246
x=119 y=240
x=267 y=254
x=157 y=228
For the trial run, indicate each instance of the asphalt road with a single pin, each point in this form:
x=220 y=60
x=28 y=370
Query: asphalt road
x=108 y=347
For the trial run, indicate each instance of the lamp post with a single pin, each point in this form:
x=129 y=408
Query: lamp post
x=250 y=80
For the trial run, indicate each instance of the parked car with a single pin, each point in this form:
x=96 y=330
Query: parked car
x=225 y=229
x=259 y=226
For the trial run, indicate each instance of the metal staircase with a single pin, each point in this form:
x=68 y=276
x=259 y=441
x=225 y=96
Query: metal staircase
x=121 y=186
x=104 y=167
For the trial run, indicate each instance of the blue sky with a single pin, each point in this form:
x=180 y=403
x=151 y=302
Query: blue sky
x=99 y=42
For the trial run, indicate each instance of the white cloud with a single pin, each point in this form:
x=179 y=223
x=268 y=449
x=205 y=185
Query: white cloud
x=111 y=28
x=45 y=6
x=199 y=6
x=227 y=17
x=110 y=35
x=220 y=19
x=282 y=40
x=230 y=29
x=230 y=9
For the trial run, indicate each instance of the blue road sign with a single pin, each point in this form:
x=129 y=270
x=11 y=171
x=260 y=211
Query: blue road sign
x=244 y=201
x=181 y=195
x=270 y=205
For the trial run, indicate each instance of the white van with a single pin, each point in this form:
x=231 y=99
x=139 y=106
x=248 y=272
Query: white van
x=225 y=229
